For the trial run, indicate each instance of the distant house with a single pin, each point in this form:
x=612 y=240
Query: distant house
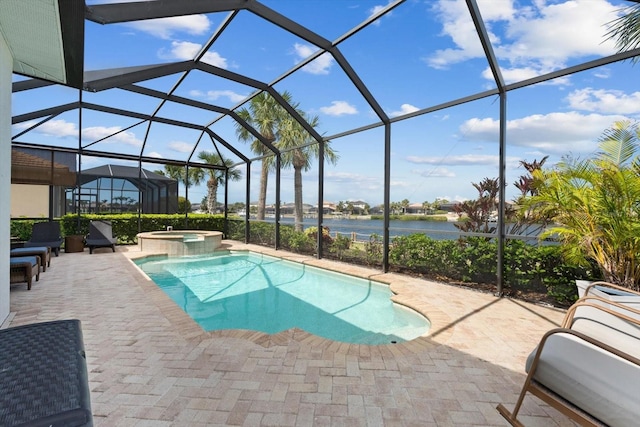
x=448 y=207
x=359 y=204
x=287 y=209
x=376 y=210
x=415 y=209
x=328 y=208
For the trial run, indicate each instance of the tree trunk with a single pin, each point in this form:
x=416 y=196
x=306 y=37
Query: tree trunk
x=212 y=195
x=297 y=193
x=262 y=197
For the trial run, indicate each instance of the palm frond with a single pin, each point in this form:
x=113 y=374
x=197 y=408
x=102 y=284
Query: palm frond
x=625 y=30
x=618 y=143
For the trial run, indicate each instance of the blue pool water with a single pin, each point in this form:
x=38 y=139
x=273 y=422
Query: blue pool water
x=262 y=293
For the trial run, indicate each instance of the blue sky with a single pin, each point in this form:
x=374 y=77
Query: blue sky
x=421 y=54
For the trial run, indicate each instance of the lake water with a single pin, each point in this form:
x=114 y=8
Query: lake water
x=439 y=230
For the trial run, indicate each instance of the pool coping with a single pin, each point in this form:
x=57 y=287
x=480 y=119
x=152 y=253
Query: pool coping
x=401 y=286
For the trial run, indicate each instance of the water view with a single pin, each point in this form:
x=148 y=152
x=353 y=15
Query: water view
x=364 y=228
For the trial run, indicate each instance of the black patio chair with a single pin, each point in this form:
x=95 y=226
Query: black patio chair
x=46 y=234
x=100 y=236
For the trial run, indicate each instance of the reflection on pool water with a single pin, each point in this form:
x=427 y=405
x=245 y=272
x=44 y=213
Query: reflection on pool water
x=257 y=292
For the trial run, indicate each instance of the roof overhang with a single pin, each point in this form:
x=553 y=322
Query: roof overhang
x=46 y=38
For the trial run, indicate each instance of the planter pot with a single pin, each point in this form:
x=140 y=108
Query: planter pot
x=629 y=299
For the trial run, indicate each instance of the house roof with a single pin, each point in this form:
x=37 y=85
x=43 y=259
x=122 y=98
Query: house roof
x=30 y=168
x=119 y=171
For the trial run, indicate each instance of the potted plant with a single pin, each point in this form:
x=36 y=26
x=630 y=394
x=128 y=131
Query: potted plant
x=594 y=205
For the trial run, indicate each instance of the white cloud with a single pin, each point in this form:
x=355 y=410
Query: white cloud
x=339 y=108
x=155 y=154
x=98 y=132
x=605 y=101
x=320 y=65
x=460 y=160
x=518 y=74
x=354 y=180
x=465 y=160
x=164 y=28
x=180 y=147
x=535 y=39
x=57 y=128
x=63 y=129
x=554 y=133
x=186 y=51
x=404 y=109
x=347 y=185
x=217 y=94
x=456 y=24
x=602 y=73
x=437 y=172
x=376 y=9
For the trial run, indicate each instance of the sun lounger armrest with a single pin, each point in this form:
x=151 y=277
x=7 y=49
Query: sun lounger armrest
x=602 y=284
x=621 y=311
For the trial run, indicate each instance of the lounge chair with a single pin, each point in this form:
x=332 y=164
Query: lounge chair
x=46 y=234
x=589 y=369
x=44 y=252
x=100 y=236
x=22 y=269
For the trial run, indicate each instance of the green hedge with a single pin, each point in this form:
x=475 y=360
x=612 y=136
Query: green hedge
x=527 y=268
x=125 y=226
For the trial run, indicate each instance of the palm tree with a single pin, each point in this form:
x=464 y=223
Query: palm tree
x=626 y=30
x=196 y=175
x=425 y=207
x=217 y=176
x=594 y=203
x=299 y=149
x=264 y=114
x=405 y=205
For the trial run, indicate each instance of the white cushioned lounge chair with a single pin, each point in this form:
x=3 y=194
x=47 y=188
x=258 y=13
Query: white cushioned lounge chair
x=589 y=369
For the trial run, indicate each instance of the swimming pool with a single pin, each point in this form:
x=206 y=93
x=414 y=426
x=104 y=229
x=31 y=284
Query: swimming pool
x=253 y=291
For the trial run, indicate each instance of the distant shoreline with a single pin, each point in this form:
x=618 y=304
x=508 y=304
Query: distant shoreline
x=448 y=217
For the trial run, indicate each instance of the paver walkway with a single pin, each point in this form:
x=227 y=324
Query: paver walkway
x=151 y=365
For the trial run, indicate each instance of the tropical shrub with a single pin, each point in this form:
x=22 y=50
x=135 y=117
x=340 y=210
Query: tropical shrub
x=340 y=245
x=312 y=233
x=595 y=204
x=300 y=242
x=22 y=229
x=373 y=250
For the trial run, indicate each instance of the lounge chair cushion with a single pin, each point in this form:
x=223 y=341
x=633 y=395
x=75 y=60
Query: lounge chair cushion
x=600 y=383
x=33 y=260
x=43 y=252
x=607 y=328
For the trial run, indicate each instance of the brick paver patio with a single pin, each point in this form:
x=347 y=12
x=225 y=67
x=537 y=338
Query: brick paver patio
x=151 y=365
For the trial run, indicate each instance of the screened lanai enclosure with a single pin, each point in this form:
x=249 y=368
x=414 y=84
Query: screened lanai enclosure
x=380 y=102
x=122 y=189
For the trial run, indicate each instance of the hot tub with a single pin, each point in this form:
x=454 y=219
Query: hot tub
x=180 y=242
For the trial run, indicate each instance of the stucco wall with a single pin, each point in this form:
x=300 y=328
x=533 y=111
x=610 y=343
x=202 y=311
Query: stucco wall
x=6 y=70
x=31 y=201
